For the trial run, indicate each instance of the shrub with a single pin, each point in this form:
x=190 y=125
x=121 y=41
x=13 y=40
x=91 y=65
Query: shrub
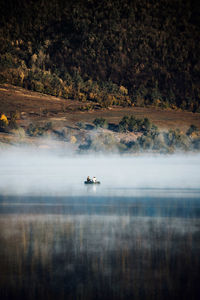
x=145 y=142
x=154 y=131
x=4 y=119
x=137 y=125
x=3 y=123
x=19 y=132
x=80 y=125
x=3 y=126
x=37 y=86
x=159 y=142
x=36 y=130
x=124 y=124
x=104 y=142
x=122 y=147
x=73 y=139
x=196 y=144
x=191 y=129
x=86 y=107
x=132 y=124
x=174 y=138
x=13 y=124
x=82 y=97
x=171 y=137
x=14 y=115
x=146 y=124
x=100 y=122
x=48 y=126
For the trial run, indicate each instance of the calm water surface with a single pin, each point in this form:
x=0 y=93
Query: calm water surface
x=122 y=244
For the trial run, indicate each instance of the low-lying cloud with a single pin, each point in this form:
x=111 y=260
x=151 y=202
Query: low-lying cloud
x=41 y=172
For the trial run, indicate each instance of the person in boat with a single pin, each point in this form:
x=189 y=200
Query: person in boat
x=88 y=179
x=94 y=179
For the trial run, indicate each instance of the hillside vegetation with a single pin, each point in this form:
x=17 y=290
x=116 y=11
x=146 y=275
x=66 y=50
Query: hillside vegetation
x=129 y=135
x=129 y=53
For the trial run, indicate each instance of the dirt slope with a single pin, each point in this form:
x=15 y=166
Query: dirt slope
x=62 y=112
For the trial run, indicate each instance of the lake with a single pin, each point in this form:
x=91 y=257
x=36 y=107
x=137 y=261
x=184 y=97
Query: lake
x=134 y=237
x=144 y=246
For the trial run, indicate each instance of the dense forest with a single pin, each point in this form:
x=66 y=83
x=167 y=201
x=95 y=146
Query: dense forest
x=141 y=52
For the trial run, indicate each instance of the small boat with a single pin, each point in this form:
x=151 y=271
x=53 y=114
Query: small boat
x=92 y=182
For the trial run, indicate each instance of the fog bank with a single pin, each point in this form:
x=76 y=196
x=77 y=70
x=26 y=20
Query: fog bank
x=40 y=172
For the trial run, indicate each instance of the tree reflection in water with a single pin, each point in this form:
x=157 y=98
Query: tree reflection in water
x=88 y=256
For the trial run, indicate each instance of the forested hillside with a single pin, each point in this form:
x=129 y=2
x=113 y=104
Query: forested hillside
x=142 y=52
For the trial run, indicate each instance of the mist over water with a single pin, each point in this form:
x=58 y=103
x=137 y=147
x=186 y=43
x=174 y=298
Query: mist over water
x=134 y=236
x=41 y=172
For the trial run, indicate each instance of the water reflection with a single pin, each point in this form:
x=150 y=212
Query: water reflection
x=99 y=248
x=170 y=206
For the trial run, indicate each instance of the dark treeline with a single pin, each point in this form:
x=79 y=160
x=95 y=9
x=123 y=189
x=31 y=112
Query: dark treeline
x=142 y=52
